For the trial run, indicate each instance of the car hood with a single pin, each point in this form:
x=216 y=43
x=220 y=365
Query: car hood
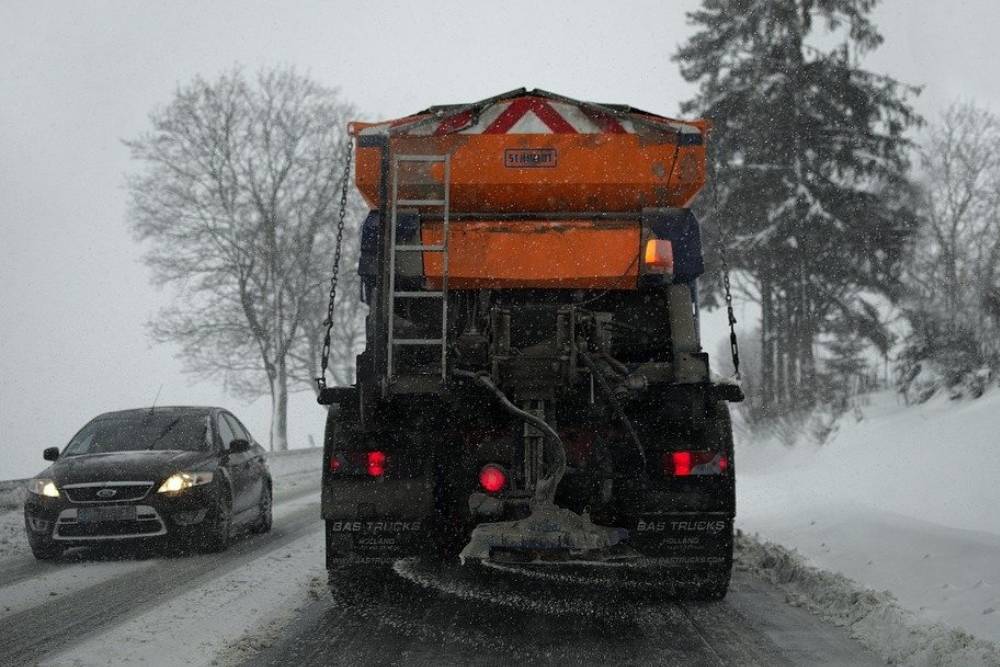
x=127 y=466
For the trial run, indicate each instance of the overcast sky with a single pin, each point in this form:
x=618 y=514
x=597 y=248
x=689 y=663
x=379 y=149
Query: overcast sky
x=77 y=77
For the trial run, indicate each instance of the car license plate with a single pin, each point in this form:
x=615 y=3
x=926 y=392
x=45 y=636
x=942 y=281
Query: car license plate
x=99 y=514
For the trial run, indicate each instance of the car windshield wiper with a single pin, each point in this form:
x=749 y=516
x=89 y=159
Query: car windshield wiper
x=166 y=429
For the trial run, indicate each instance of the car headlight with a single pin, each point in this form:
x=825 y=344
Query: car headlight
x=43 y=487
x=184 y=480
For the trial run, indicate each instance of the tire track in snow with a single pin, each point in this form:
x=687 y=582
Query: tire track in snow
x=427 y=613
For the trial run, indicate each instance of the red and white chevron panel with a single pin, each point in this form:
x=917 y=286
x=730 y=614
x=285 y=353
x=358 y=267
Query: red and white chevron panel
x=528 y=114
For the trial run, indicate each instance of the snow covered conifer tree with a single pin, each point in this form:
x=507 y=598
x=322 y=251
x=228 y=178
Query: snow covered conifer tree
x=809 y=151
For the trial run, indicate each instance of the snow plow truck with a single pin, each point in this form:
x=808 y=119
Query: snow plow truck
x=533 y=388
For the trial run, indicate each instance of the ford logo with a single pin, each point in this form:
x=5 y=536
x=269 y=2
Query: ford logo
x=107 y=493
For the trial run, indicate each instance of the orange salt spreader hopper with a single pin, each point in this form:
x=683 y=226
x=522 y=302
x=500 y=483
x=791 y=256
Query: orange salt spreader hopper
x=544 y=191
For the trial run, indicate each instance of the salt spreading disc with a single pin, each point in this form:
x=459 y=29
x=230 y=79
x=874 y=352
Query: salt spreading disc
x=548 y=533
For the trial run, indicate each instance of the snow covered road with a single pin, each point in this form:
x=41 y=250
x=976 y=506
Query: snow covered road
x=264 y=601
x=901 y=502
x=71 y=602
x=429 y=615
x=82 y=609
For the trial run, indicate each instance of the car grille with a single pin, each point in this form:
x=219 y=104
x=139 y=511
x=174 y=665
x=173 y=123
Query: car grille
x=110 y=529
x=101 y=492
x=146 y=524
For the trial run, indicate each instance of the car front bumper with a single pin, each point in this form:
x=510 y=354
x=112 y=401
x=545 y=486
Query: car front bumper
x=157 y=515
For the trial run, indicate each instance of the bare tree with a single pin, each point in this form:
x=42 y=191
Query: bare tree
x=956 y=258
x=236 y=197
x=348 y=334
x=953 y=273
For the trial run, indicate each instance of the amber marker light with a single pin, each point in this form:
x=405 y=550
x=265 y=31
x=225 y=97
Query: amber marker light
x=659 y=256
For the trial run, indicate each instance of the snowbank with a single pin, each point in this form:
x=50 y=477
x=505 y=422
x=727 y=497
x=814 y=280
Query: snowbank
x=295 y=461
x=12 y=493
x=13 y=539
x=937 y=462
x=904 y=500
x=873 y=617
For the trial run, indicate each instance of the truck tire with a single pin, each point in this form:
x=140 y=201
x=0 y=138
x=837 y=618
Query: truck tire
x=714 y=588
x=711 y=583
x=354 y=583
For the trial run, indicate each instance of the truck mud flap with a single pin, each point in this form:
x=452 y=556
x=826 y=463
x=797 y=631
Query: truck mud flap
x=383 y=521
x=374 y=540
x=694 y=541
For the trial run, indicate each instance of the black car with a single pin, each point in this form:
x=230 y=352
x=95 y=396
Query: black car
x=181 y=475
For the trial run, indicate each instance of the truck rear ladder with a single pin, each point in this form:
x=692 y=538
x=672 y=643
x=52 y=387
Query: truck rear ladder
x=395 y=204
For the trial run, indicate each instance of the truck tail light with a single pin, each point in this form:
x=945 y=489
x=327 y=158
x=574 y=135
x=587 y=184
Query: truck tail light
x=687 y=463
x=372 y=463
x=375 y=463
x=658 y=257
x=492 y=478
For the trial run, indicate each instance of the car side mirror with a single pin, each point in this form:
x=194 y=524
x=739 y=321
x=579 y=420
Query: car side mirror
x=50 y=453
x=239 y=445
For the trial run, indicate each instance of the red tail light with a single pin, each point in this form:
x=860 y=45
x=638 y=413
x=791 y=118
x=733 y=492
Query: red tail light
x=375 y=463
x=687 y=463
x=492 y=478
x=682 y=463
x=356 y=463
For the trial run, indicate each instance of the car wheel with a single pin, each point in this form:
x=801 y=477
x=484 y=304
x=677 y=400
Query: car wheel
x=45 y=549
x=263 y=524
x=219 y=528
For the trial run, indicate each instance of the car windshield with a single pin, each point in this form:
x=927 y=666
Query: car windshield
x=130 y=433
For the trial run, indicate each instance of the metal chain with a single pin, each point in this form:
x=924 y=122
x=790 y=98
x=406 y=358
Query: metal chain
x=328 y=322
x=734 y=348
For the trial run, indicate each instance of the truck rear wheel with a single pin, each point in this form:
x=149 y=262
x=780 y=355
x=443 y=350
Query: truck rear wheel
x=355 y=582
x=713 y=588
x=710 y=583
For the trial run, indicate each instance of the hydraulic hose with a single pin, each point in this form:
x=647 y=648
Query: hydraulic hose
x=545 y=492
x=615 y=364
x=602 y=382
